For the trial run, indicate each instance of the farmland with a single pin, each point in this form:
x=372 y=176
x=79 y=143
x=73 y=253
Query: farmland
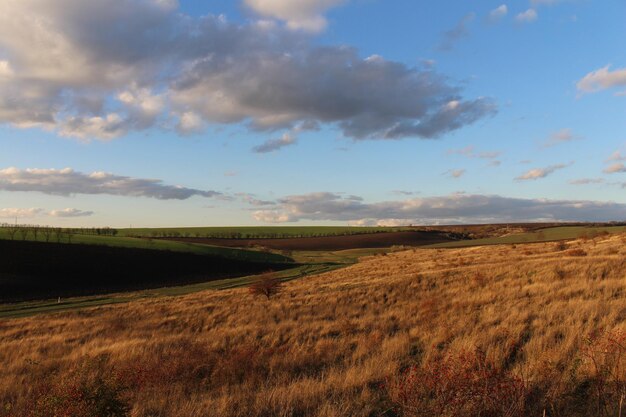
x=255 y=232
x=336 y=242
x=539 y=235
x=146 y=279
x=348 y=341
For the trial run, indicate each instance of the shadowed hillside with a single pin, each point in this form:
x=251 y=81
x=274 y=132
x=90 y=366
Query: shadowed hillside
x=34 y=270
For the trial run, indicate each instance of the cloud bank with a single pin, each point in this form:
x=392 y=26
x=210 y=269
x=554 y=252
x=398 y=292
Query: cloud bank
x=455 y=208
x=68 y=182
x=88 y=70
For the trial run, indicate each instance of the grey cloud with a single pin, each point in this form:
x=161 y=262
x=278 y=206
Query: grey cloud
x=91 y=70
x=455 y=208
x=455 y=173
x=587 y=181
x=403 y=192
x=253 y=200
x=470 y=152
x=458 y=32
x=67 y=182
x=275 y=144
x=70 y=212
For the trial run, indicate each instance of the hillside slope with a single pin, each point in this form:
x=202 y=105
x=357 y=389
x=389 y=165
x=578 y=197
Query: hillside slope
x=327 y=344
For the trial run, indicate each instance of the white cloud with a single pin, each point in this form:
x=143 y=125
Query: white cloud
x=306 y=15
x=5 y=69
x=545 y=2
x=89 y=70
x=561 y=136
x=498 y=13
x=455 y=208
x=190 y=122
x=615 y=168
x=528 y=16
x=70 y=212
x=537 y=173
x=470 y=152
x=273 y=145
x=68 y=182
x=108 y=127
x=602 y=79
x=617 y=156
x=455 y=173
x=12 y=213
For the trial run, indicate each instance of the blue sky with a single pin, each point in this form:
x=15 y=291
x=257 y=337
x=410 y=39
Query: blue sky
x=190 y=113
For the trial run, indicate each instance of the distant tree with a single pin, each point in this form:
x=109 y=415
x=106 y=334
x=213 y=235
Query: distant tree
x=24 y=232
x=58 y=232
x=35 y=230
x=47 y=233
x=69 y=233
x=267 y=284
x=12 y=230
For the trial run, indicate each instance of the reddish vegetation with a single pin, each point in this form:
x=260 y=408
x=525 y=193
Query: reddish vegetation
x=371 y=240
x=463 y=384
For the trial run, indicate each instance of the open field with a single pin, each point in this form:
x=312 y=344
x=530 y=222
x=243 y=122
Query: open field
x=155 y=244
x=530 y=320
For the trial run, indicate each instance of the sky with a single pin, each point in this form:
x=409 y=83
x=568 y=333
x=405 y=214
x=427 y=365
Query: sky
x=154 y=113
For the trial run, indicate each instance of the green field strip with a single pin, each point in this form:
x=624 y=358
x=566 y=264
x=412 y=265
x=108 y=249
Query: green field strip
x=257 y=232
x=544 y=235
x=155 y=244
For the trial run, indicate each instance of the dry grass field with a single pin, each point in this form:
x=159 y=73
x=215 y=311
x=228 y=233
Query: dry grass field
x=485 y=331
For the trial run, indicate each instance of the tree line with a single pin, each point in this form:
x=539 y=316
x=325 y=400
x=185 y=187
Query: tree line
x=49 y=233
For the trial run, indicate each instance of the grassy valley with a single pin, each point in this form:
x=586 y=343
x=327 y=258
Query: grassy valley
x=541 y=324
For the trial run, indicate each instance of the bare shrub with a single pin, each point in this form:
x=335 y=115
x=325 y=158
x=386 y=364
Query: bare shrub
x=605 y=353
x=457 y=385
x=560 y=246
x=88 y=390
x=576 y=252
x=267 y=284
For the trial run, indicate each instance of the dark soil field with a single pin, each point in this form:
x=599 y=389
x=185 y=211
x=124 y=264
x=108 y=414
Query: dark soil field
x=372 y=240
x=35 y=270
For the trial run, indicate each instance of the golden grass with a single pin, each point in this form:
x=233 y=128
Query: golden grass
x=323 y=346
